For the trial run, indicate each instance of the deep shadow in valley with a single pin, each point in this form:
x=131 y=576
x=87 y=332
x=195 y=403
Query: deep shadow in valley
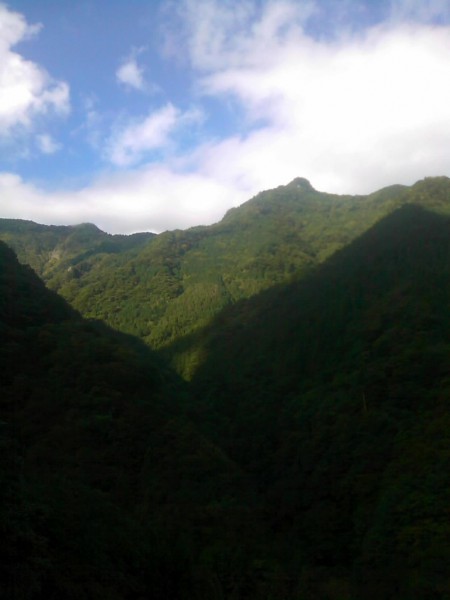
x=107 y=489
x=307 y=458
x=331 y=393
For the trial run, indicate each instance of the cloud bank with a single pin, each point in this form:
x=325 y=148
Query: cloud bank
x=352 y=112
x=26 y=89
x=154 y=199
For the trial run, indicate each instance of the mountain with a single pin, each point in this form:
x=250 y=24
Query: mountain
x=165 y=287
x=107 y=489
x=332 y=393
x=57 y=248
x=308 y=455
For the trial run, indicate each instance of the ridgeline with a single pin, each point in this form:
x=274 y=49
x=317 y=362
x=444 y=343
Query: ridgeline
x=306 y=453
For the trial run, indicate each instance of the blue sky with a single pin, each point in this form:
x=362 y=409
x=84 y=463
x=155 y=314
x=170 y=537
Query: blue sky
x=159 y=114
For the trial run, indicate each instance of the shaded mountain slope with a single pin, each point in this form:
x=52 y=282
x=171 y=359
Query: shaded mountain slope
x=322 y=468
x=333 y=393
x=174 y=283
x=107 y=489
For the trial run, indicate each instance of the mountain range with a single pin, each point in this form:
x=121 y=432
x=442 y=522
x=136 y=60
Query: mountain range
x=253 y=409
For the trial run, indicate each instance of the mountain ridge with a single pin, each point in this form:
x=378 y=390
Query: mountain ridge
x=162 y=287
x=307 y=457
x=333 y=391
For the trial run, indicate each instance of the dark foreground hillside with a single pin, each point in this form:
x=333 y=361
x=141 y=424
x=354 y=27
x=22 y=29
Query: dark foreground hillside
x=106 y=489
x=333 y=394
x=308 y=458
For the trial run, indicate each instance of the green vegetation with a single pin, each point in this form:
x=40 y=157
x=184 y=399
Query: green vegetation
x=332 y=393
x=168 y=286
x=53 y=249
x=308 y=456
x=161 y=288
x=107 y=489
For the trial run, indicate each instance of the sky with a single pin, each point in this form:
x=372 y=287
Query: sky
x=153 y=115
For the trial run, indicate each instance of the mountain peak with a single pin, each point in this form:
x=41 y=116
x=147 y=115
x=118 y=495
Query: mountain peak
x=87 y=227
x=302 y=184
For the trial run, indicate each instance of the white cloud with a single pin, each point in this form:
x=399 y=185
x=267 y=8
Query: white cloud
x=153 y=199
x=26 y=90
x=47 y=144
x=352 y=115
x=14 y=28
x=129 y=143
x=214 y=33
x=131 y=74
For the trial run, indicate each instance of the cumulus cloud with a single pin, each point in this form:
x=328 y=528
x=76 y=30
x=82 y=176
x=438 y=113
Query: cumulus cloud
x=130 y=73
x=26 y=89
x=47 y=144
x=211 y=33
x=153 y=199
x=352 y=113
x=130 y=142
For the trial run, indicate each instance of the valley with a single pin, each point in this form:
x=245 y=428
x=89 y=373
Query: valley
x=252 y=409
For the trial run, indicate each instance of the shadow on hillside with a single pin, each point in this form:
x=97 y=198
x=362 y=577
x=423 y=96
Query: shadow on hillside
x=27 y=307
x=332 y=394
x=406 y=250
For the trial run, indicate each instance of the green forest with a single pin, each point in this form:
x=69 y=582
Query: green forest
x=256 y=409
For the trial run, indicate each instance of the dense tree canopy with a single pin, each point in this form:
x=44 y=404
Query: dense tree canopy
x=307 y=457
x=104 y=478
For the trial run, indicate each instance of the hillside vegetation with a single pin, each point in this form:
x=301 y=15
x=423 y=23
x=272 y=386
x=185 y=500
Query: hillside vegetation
x=107 y=489
x=308 y=455
x=163 y=287
x=332 y=393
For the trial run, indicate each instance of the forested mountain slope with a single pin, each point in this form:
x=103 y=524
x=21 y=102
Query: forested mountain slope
x=309 y=456
x=332 y=392
x=167 y=286
x=55 y=248
x=107 y=489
